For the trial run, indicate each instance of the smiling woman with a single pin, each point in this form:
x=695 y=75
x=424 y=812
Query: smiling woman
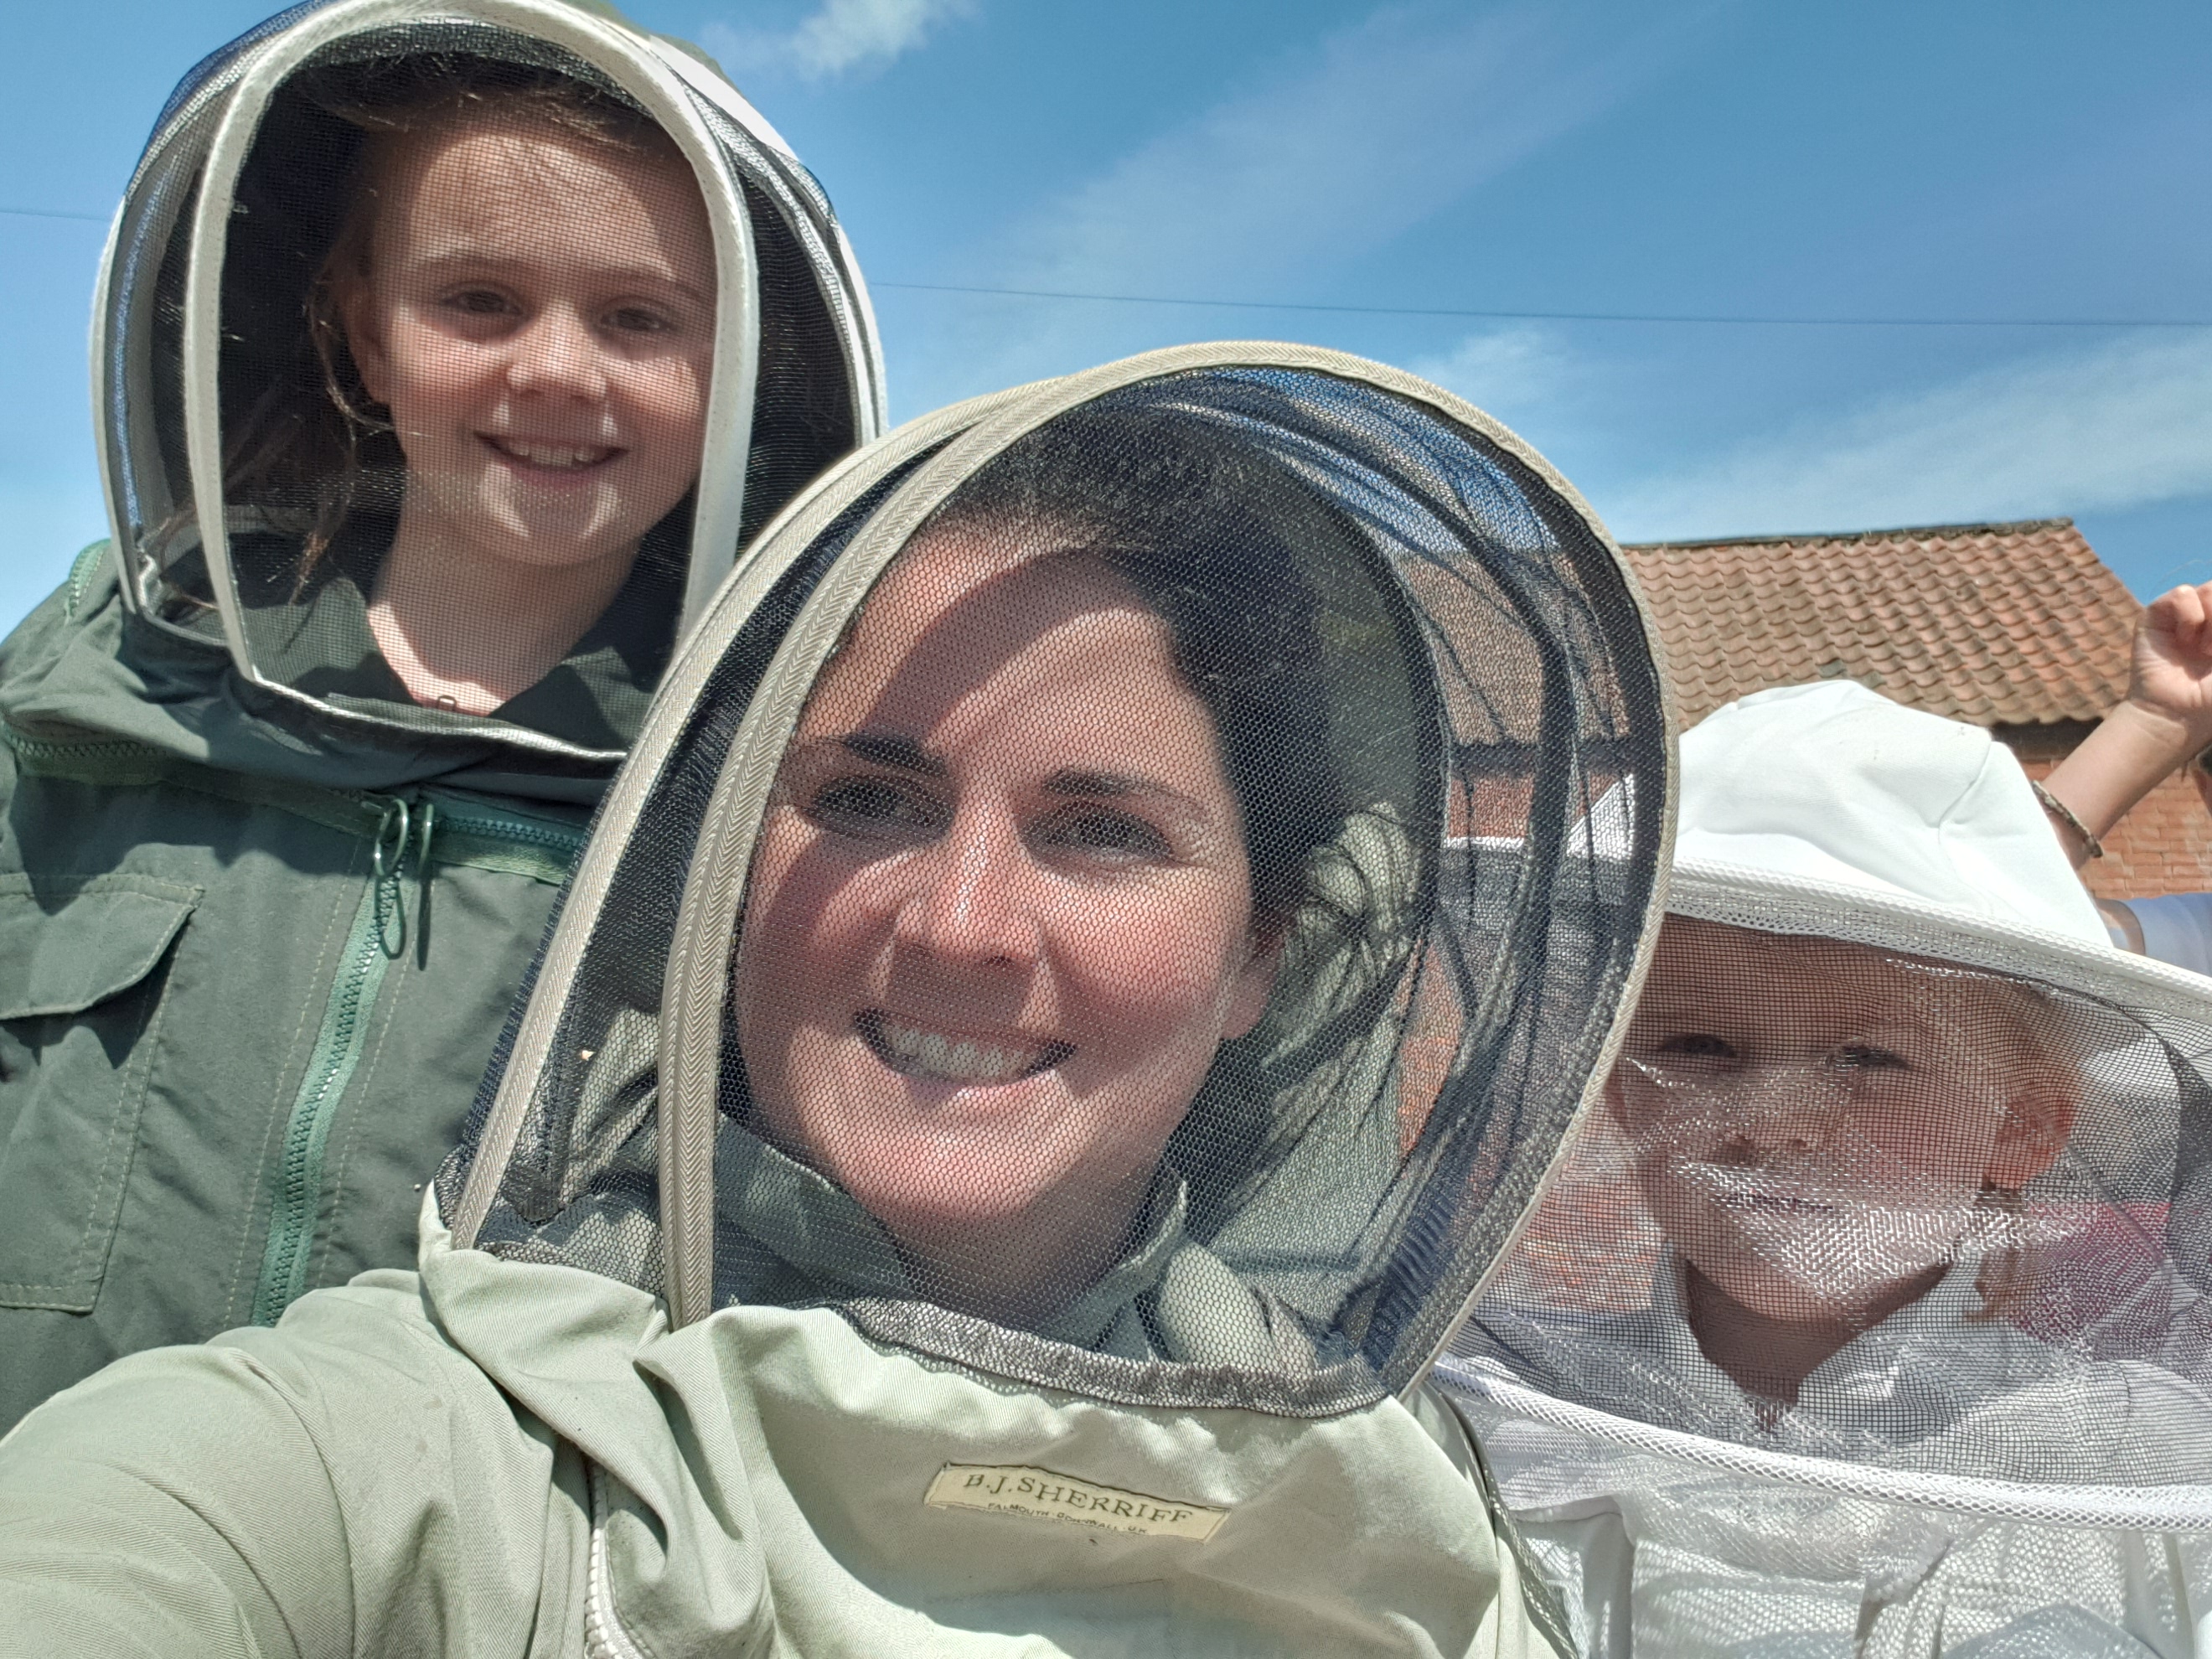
x=1005 y=910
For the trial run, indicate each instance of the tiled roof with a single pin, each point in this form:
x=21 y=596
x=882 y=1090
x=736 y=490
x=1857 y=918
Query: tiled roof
x=2006 y=625
x=1995 y=624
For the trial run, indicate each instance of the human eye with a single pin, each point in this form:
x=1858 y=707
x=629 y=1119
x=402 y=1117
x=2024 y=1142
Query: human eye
x=1106 y=836
x=639 y=319
x=1867 y=1057
x=873 y=807
x=477 y=301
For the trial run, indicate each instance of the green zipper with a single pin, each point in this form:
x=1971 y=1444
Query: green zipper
x=523 y=846
x=470 y=831
x=299 y=1175
x=81 y=571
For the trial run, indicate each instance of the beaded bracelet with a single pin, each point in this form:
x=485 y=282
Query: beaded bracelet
x=2066 y=815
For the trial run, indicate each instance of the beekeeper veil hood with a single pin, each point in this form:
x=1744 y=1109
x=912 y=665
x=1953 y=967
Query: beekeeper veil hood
x=1099 y=902
x=446 y=353
x=1872 y=1306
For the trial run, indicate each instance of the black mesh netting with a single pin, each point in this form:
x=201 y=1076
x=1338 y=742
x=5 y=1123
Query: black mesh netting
x=1174 y=942
x=1867 y=1313
x=471 y=310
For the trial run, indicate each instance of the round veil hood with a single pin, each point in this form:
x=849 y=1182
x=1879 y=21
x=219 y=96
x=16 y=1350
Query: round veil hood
x=1870 y=1314
x=1423 y=660
x=251 y=484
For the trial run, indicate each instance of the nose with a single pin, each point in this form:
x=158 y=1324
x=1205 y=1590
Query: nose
x=969 y=895
x=556 y=355
x=1785 y=1108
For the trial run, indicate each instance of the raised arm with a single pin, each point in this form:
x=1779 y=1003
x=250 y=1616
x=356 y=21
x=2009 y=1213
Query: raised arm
x=2164 y=720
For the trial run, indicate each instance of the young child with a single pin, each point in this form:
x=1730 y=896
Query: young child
x=524 y=288
x=1875 y=1272
x=1825 y=1131
x=437 y=375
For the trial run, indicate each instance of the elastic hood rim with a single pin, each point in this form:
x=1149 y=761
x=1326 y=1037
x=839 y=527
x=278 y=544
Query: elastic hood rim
x=208 y=135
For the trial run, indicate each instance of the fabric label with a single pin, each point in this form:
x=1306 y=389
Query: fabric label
x=1014 y=1489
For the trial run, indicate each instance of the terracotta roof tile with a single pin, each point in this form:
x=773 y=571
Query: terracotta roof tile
x=1998 y=623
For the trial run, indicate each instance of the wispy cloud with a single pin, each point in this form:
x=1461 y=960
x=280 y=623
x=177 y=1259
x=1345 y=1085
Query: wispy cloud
x=1384 y=125
x=1509 y=373
x=842 y=36
x=2124 y=424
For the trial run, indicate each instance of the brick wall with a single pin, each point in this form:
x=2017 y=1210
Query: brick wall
x=2164 y=846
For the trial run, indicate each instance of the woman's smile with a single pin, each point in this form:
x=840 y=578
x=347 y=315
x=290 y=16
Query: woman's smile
x=917 y=1050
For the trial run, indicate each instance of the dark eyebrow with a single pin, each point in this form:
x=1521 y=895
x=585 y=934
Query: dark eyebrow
x=1107 y=785
x=489 y=259
x=884 y=750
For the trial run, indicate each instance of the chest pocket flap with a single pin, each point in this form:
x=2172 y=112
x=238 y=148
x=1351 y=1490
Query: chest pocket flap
x=68 y=944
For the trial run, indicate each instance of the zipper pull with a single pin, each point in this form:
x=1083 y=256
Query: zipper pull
x=387 y=857
x=427 y=818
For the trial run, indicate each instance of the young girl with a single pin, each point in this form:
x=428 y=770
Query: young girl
x=1875 y=1279
x=443 y=368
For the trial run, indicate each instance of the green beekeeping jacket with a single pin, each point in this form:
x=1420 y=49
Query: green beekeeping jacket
x=251 y=970
x=494 y=1457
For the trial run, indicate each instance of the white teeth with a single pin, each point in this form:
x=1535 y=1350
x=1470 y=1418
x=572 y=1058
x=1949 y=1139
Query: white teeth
x=931 y=1053
x=552 y=454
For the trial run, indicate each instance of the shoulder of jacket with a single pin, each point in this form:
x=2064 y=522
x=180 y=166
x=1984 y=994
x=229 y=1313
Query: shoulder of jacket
x=87 y=598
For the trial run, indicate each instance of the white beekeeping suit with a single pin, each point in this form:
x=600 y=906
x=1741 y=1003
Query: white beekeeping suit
x=1867 y=1315
x=1015 y=1100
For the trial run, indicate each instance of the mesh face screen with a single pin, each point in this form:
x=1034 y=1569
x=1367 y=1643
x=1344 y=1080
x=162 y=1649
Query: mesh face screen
x=1165 y=943
x=471 y=309
x=1874 y=1271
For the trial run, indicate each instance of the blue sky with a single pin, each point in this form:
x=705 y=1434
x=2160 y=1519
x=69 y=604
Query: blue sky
x=2011 y=161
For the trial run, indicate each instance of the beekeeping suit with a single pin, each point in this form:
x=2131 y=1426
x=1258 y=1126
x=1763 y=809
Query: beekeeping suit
x=1893 y=1097
x=726 y=1335
x=261 y=907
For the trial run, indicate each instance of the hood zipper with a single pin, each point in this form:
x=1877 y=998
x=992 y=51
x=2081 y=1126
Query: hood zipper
x=377 y=937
